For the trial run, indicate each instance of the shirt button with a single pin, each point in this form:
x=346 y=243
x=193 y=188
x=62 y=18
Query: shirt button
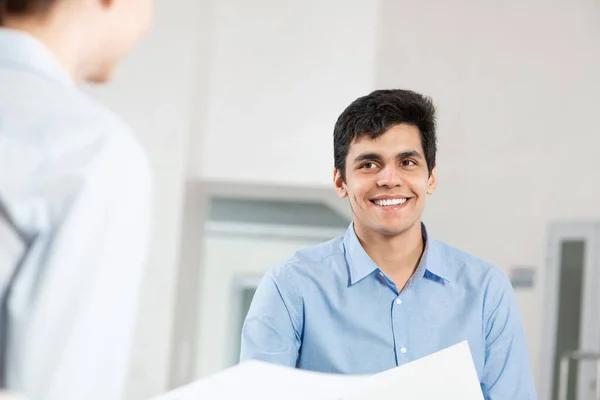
x=403 y=350
x=398 y=301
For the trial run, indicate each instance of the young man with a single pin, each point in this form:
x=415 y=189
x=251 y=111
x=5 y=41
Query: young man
x=75 y=192
x=387 y=293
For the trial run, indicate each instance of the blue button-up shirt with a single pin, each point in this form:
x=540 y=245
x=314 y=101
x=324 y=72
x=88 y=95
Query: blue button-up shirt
x=330 y=308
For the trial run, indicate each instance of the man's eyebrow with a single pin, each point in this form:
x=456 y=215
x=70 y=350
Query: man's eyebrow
x=409 y=154
x=367 y=156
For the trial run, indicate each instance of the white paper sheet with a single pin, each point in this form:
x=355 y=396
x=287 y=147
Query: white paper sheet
x=261 y=381
x=448 y=374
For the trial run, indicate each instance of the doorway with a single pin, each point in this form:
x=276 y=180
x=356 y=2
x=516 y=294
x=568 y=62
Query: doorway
x=571 y=309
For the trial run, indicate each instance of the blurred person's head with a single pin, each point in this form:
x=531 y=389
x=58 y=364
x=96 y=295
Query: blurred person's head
x=88 y=37
x=384 y=155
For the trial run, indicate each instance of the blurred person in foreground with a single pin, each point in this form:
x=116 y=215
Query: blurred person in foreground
x=388 y=293
x=75 y=192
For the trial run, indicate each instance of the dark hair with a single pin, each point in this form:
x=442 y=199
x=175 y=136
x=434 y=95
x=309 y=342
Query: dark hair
x=22 y=7
x=377 y=112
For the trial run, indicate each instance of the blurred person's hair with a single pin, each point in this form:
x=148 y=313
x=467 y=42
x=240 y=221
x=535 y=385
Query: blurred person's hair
x=23 y=7
x=374 y=114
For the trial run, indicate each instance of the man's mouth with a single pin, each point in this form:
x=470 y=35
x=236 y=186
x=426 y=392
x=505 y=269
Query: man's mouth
x=390 y=202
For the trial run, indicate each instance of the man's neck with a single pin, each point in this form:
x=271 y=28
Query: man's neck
x=398 y=256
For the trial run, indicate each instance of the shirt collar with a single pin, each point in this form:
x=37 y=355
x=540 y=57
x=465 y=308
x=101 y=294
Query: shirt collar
x=23 y=51
x=361 y=265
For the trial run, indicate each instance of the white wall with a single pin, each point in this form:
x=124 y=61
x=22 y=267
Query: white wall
x=516 y=84
x=281 y=72
x=153 y=92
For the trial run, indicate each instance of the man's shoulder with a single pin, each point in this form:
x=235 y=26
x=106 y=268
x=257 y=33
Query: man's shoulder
x=53 y=123
x=58 y=152
x=469 y=269
x=312 y=261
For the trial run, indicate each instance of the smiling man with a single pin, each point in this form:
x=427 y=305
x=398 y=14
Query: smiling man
x=388 y=293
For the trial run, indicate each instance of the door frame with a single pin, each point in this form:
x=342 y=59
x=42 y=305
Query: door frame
x=589 y=339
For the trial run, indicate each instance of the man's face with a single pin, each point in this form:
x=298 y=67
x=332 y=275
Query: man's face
x=387 y=181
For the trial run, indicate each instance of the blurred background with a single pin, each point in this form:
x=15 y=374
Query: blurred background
x=235 y=102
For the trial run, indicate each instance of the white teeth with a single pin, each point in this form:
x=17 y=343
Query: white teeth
x=390 y=202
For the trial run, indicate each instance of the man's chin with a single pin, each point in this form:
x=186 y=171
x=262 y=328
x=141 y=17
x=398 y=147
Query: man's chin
x=394 y=230
x=101 y=76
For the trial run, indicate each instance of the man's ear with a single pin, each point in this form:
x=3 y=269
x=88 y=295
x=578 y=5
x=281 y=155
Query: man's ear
x=432 y=182
x=339 y=184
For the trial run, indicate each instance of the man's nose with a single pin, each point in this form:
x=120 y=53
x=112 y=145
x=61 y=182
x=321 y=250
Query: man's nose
x=390 y=176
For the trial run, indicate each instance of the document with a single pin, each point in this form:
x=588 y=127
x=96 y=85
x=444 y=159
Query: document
x=448 y=374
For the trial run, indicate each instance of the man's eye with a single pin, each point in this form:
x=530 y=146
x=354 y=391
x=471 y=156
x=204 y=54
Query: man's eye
x=368 y=165
x=408 y=163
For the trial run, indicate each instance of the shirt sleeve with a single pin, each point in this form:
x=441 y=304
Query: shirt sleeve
x=507 y=372
x=73 y=309
x=272 y=328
